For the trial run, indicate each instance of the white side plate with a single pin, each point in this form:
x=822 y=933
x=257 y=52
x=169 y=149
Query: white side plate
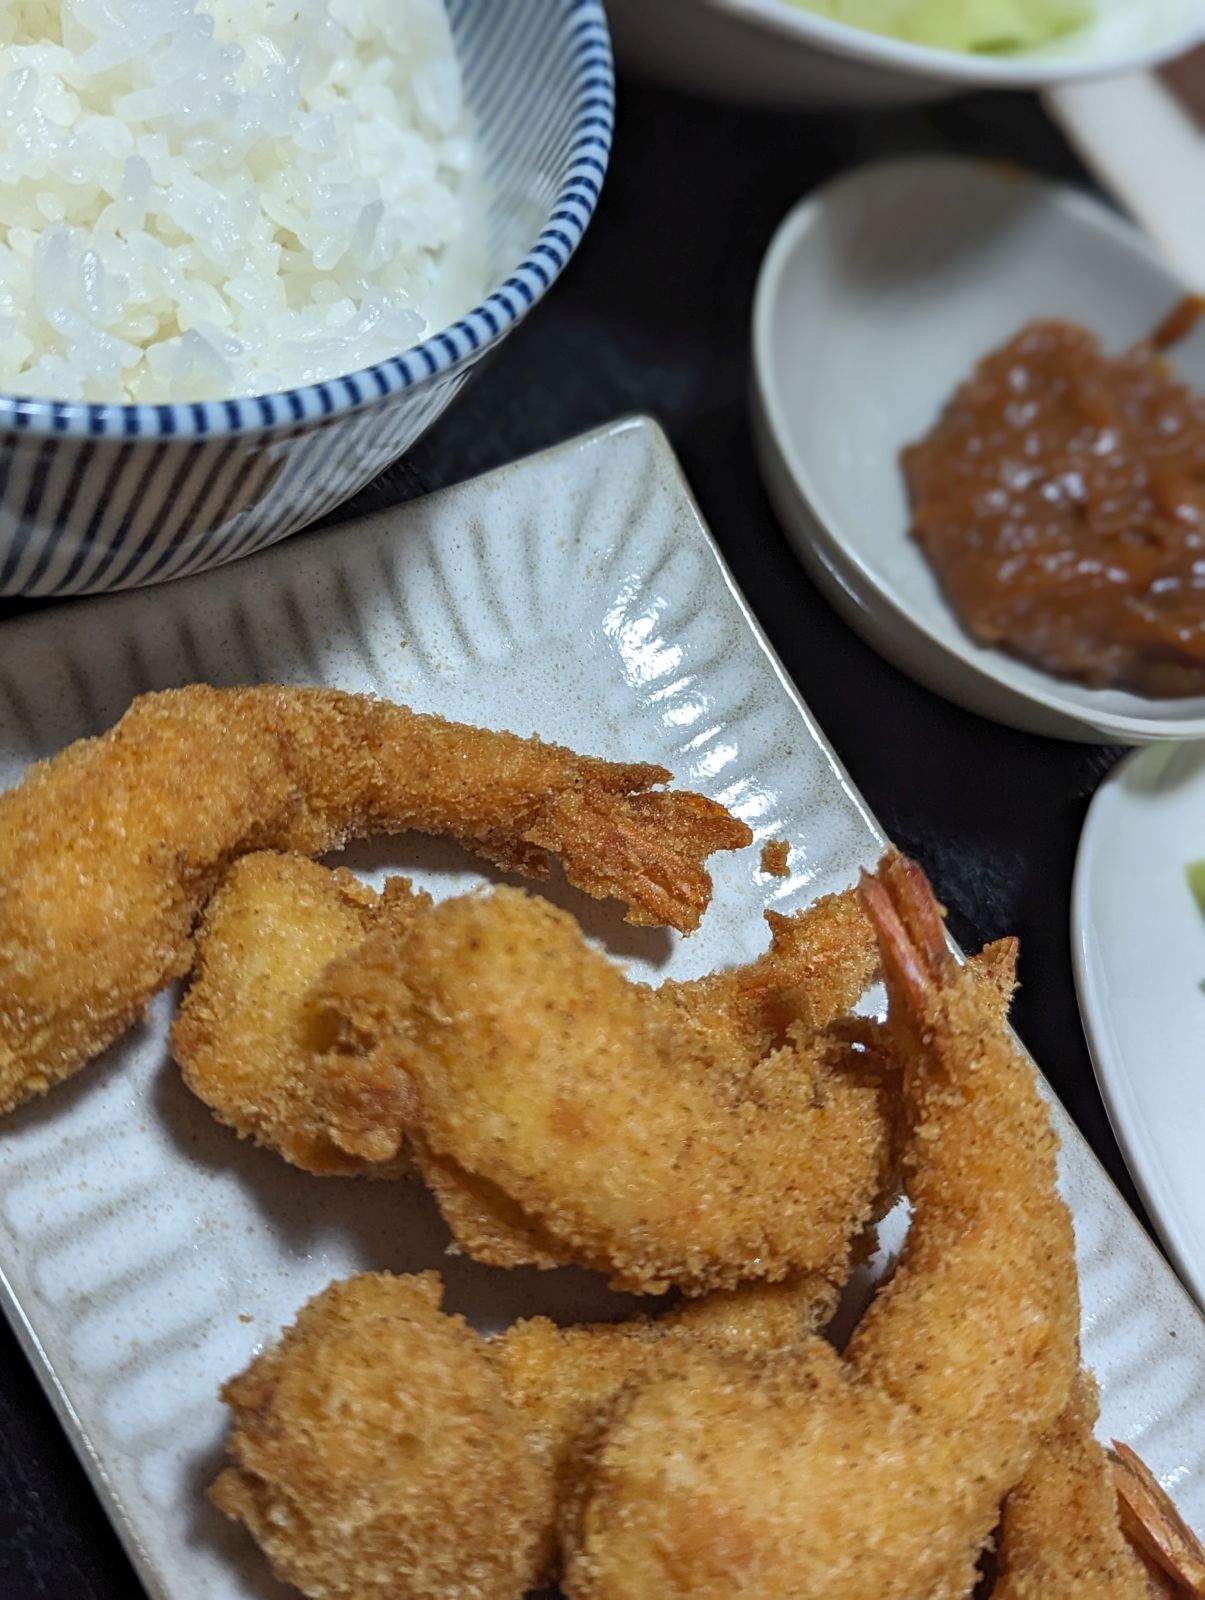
x=877 y=297
x=1138 y=942
x=146 y=1253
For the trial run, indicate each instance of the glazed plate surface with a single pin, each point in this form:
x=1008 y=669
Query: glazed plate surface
x=1138 y=941
x=146 y=1254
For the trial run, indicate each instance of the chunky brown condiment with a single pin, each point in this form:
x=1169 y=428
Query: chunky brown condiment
x=1061 y=501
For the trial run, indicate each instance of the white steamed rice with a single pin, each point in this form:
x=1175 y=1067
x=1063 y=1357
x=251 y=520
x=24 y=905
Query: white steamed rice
x=211 y=198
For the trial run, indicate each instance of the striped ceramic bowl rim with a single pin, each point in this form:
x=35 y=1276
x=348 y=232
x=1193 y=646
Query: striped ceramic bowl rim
x=444 y=352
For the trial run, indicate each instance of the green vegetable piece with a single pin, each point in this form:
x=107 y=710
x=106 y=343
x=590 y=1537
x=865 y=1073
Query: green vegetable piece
x=985 y=26
x=1195 y=873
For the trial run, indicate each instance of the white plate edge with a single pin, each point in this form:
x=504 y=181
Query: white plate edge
x=1111 y=1077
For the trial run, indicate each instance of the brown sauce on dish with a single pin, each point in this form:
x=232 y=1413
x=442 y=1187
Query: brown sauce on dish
x=1061 y=502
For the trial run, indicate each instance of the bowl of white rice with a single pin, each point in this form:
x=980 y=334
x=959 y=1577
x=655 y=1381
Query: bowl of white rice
x=250 y=250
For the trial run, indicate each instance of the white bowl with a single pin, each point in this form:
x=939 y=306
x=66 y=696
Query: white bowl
x=876 y=297
x=767 y=52
x=101 y=497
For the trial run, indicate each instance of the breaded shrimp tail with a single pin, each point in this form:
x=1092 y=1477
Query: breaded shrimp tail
x=1060 y=1533
x=109 y=851
x=1173 y=1555
x=991 y=1229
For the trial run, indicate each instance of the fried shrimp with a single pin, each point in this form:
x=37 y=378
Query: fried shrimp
x=109 y=851
x=1060 y=1533
x=559 y=1378
x=376 y=1456
x=250 y=1038
x=369 y=1442
x=258 y=1042
x=879 y=1473
x=666 y=1137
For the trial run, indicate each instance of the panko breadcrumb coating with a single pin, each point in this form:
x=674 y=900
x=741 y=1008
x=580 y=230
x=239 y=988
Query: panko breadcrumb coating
x=881 y=1472
x=660 y=1136
x=558 y=1379
x=775 y=858
x=260 y=1041
x=354 y=1435
x=109 y=850
x=250 y=1038
x=376 y=1456
x=724 y=1449
x=1060 y=1533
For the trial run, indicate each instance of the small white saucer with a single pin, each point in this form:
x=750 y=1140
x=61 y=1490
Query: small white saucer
x=876 y=298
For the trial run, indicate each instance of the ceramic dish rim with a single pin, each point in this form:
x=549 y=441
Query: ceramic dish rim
x=993 y=669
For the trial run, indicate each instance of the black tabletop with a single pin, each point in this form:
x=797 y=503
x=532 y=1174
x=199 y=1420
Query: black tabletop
x=653 y=316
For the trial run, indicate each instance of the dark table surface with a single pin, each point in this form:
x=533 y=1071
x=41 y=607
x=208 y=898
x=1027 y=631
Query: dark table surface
x=653 y=316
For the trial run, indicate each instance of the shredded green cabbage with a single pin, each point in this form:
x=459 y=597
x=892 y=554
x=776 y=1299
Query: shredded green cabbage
x=986 y=26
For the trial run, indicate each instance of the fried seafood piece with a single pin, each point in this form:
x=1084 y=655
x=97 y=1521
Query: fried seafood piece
x=668 y=1137
x=257 y=1042
x=376 y=1456
x=879 y=1473
x=109 y=850
x=819 y=964
x=1172 y=1553
x=559 y=1378
x=250 y=1038
x=369 y=1444
x=1060 y=1533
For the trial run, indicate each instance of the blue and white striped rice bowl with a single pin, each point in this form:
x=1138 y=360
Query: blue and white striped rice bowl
x=103 y=497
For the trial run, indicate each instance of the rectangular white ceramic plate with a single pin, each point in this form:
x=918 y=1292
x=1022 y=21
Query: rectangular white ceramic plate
x=146 y=1253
